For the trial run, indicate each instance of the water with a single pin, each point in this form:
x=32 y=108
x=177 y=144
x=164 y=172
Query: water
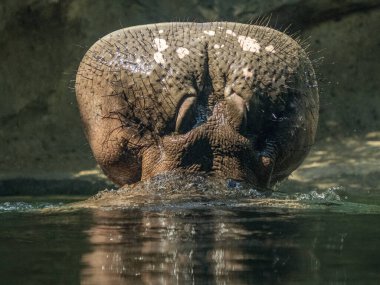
x=326 y=239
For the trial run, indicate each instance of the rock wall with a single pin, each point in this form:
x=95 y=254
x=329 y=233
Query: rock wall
x=42 y=42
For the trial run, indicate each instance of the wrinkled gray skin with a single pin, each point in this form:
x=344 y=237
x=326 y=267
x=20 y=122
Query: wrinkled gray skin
x=225 y=99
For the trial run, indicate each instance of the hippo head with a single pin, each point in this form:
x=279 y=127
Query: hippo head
x=224 y=99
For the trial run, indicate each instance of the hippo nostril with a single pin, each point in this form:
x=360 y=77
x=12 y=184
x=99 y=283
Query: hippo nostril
x=186 y=115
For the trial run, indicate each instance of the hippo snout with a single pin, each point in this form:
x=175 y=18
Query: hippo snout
x=224 y=99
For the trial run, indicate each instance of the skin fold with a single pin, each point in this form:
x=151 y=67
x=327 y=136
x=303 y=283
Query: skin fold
x=225 y=99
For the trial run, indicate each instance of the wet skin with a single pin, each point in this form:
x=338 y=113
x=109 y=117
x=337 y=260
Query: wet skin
x=225 y=99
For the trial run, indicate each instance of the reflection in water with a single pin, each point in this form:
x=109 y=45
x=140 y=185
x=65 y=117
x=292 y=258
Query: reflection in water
x=197 y=246
x=179 y=244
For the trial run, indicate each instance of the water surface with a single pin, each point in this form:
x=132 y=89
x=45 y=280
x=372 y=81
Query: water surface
x=332 y=242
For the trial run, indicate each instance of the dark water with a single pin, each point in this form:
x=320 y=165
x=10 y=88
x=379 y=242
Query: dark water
x=188 y=244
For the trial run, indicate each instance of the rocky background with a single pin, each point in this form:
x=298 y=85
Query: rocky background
x=43 y=41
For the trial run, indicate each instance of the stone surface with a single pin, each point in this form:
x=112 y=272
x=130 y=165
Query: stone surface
x=350 y=166
x=43 y=41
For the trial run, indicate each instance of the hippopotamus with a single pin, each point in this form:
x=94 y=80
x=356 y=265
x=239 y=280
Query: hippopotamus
x=228 y=100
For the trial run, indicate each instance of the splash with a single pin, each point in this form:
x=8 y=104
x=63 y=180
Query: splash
x=16 y=206
x=326 y=196
x=184 y=191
